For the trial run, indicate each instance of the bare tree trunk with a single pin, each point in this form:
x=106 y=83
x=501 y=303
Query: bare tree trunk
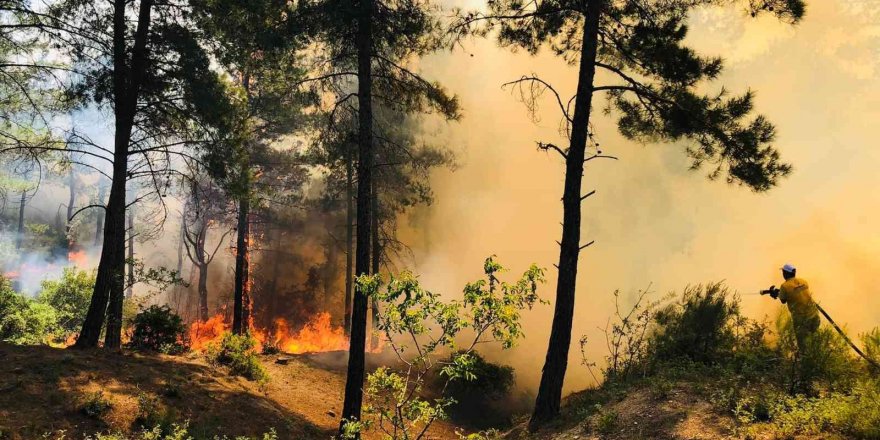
x=129 y=291
x=351 y=409
x=376 y=261
x=349 y=237
x=126 y=88
x=19 y=239
x=553 y=375
x=203 y=291
x=240 y=302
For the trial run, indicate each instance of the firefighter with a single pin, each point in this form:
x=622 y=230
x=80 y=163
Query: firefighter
x=795 y=293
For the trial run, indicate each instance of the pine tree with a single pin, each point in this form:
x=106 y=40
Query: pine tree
x=654 y=91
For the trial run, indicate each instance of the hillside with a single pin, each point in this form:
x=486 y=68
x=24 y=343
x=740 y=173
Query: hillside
x=43 y=391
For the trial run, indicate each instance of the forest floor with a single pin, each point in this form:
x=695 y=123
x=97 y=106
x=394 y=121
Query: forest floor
x=680 y=412
x=48 y=392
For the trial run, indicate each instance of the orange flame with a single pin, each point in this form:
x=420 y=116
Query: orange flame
x=78 y=259
x=318 y=335
x=202 y=333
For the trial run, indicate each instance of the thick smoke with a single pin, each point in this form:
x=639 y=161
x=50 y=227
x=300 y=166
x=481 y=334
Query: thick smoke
x=655 y=223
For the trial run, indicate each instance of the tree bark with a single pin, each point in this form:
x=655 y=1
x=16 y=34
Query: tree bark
x=553 y=375
x=126 y=88
x=203 y=291
x=240 y=301
x=376 y=261
x=351 y=409
x=349 y=238
x=129 y=291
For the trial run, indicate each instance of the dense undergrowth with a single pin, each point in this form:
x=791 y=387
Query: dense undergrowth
x=747 y=369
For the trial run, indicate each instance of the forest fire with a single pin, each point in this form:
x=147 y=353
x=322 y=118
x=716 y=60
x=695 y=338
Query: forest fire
x=317 y=335
x=78 y=259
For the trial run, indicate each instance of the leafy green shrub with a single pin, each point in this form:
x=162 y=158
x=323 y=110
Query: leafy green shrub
x=24 y=321
x=491 y=309
x=824 y=360
x=854 y=414
x=158 y=328
x=478 y=401
x=69 y=296
x=95 y=405
x=699 y=326
x=871 y=340
x=237 y=352
x=151 y=414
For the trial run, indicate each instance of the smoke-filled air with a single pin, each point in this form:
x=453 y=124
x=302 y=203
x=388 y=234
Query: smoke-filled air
x=439 y=219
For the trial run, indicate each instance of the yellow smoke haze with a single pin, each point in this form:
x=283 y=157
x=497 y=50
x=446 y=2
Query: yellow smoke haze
x=654 y=221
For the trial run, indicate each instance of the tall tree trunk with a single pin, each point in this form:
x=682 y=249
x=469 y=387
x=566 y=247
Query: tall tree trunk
x=126 y=88
x=240 y=300
x=351 y=409
x=376 y=261
x=129 y=291
x=19 y=239
x=552 y=377
x=203 y=291
x=349 y=237
x=99 y=223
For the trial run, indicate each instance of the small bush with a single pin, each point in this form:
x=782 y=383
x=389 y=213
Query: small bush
x=150 y=412
x=24 y=321
x=95 y=405
x=69 y=296
x=237 y=352
x=271 y=347
x=158 y=328
x=479 y=398
x=871 y=340
x=660 y=388
x=824 y=361
x=699 y=327
x=606 y=420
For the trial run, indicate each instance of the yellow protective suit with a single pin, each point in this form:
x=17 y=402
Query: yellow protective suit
x=795 y=293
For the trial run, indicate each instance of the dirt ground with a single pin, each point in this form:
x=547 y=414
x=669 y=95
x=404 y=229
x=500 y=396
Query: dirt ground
x=43 y=391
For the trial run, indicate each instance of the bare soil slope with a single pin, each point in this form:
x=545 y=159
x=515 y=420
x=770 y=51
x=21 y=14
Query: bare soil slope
x=43 y=390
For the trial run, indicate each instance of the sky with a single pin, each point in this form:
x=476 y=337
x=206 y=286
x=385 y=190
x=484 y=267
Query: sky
x=656 y=224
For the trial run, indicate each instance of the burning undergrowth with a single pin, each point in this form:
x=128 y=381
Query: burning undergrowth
x=317 y=335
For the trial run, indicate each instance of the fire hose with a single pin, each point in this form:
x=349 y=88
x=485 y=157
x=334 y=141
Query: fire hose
x=846 y=338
